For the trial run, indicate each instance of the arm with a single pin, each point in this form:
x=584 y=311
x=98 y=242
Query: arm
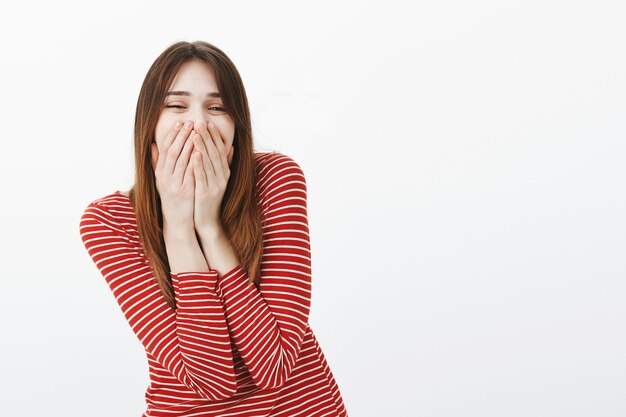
x=217 y=247
x=183 y=251
x=268 y=324
x=192 y=342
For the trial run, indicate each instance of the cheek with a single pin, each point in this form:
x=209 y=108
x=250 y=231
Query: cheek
x=231 y=137
x=159 y=134
x=229 y=141
x=227 y=133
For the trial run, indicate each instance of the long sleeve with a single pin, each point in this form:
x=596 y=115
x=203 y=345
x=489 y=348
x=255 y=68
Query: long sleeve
x=268 y=324
x=192 y=342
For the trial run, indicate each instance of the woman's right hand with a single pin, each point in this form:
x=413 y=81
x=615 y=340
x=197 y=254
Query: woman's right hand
x=174 y=177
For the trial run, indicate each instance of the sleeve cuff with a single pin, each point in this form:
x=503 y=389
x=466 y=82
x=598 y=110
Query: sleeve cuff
x=187 y=279
x=231 y=278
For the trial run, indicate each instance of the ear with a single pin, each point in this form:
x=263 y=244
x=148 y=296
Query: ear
x=154 y=155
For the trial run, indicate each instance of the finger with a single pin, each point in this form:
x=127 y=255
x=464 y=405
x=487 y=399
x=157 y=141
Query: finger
x=189 y=177
x=169 y=137
x=182 y=161
x=203 y=140
x=219 y=145
x=205 y=162
x=212 y=152
x=198 y=171
x=174 y=150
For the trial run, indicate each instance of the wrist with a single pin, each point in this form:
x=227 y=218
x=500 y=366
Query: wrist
x=210 y=236
x=209 y=231
x=178 y=233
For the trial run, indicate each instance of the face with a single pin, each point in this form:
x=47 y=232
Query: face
x=192 y=83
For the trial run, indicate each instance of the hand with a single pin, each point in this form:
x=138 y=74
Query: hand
x=211 y=168
x=174 y=177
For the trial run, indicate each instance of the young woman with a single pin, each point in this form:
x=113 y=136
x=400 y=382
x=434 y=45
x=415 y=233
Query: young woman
x=208 y=254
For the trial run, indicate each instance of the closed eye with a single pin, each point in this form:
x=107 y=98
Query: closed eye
x=182 y=107
x=217 y=110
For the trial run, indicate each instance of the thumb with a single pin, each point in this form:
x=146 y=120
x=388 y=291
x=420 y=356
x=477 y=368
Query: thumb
x=154 y=155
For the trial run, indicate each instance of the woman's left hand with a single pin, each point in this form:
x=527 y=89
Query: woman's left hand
x=211 y=169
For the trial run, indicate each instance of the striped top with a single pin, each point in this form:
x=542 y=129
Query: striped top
x=229 y=349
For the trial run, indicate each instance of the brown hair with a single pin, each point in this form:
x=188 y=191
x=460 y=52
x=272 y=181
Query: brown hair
x=240 y=213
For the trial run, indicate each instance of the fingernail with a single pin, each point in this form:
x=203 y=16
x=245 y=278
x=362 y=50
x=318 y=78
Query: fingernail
x=177 y=126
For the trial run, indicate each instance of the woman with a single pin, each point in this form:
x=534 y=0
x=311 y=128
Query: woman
x=208 y=254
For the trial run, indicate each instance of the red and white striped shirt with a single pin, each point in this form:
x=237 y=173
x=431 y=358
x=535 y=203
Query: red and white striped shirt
x=229 y=349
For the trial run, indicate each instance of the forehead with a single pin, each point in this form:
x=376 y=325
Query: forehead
x=194 y=76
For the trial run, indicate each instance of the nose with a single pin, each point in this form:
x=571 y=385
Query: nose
x=197 y=115
x=204 y=122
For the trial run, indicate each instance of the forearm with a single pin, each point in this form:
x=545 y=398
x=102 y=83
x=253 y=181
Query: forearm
x=217 y=249
x=183 y=250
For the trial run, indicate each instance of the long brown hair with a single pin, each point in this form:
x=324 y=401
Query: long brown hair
x=240 y=213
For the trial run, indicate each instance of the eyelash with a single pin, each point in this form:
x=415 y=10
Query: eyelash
x=178 y=106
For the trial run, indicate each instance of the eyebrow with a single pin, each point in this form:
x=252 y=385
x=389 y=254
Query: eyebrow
x=187 y=93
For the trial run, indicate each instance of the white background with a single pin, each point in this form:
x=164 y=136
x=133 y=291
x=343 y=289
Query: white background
x=466 y=191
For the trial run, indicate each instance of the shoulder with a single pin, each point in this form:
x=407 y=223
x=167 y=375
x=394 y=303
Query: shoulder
x=279 y=178
x=276 y=166
x=103 y=211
